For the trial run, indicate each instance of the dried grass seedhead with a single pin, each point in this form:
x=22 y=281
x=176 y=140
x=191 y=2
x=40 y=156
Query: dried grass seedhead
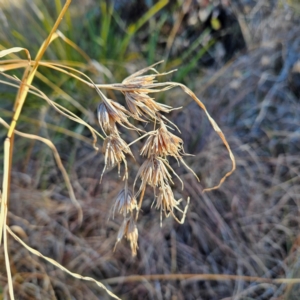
x=138 y=80
x=136 y=88
x=165 y=200
x=125 y=202
x=109 y=113
x=154 y=172
x=105 y=119
x=130 y=231
x=114 y=149
x=142 y=105
x=144 y=83
x=161 y=142
x=137 y=108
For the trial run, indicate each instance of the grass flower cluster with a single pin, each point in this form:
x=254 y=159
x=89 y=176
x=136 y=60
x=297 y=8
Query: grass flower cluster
x=159 y=145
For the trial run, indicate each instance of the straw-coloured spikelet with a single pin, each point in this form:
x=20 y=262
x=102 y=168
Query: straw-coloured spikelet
x=125 y=202
x=137 y=87
x=154 y=172
x=137 y=108
x=114 y=149
x=136 y=80
x=140 y=104
x=165 y=200
x=161 y=142
x=109 y=113
x=130 y=231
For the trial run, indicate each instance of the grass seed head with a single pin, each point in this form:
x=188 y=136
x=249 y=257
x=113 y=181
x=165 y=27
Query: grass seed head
x=106 y=121
x=137 y=107
x=130 y=231
x=141 y=104
x=153 y=172
x=136 y=80
x=125 y=202
x=165 y=200
x=109 y=113
x=161 y=142
x=114 y=149
x=136 y=94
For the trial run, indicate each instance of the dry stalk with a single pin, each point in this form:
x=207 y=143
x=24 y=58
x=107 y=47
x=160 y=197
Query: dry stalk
x=58 y=162
x=200 y=277
x=55 y=263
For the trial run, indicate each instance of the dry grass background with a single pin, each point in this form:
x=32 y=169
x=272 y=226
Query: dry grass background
x=248 y=227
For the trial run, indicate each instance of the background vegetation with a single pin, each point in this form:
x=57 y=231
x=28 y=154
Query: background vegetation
x=243 y=60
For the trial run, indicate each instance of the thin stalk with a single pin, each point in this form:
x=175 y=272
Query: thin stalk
x=26 y=83
x=140 y=202
x=3 y=215
x=199 y=277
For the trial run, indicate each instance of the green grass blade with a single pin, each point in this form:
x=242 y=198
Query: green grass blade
x=133 y=28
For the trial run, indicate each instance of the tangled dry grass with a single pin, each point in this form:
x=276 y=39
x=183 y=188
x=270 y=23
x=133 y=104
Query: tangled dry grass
x=240 y=241
x=155 y=171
